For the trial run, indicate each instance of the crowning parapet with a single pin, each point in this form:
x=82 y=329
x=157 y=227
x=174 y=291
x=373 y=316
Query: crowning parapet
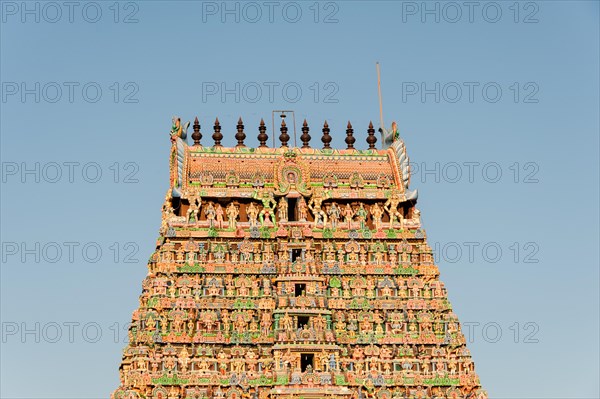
x=293 y=273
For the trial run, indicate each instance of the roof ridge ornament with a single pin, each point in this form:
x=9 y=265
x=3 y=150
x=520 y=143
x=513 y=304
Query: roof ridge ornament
x=305 y=137
x=326 y=139
x=178 y=130
x=217 y=135
x=240 y=136
x=290 y=154
x=389 y=136
x=371 y=138
x=284 y=137
x=350 y=139
x=262 y=135
x=196 y=136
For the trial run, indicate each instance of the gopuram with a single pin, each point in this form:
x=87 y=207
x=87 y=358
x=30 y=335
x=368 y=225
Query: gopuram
x=293 y=272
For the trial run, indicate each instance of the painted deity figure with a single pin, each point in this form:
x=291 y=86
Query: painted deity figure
x=169 y=212
x=332 y=362
x=174 y=391
x=282 y=210
x=252 y=212
x=319 y=323
x=232 y=214
x=178 y=323
x=184 y=358
x=302 y=209
x=289 y=359
x=391 y=207
x=386 y=291
x=240 y=323
x=266 y=287
x=277 y=359
x=334 y=215
x=253 y=326
x=268 y=253
x=211 y=214
x=265 y=323
x=340 y=326
x=268 y=202
x=416 y=216
x=255 y=286
x=361 y=216
x=377 y=213
x=287 y=322
x=324 y=361
x=315 y=205
x=193 y=212
x=348 y=215
x=219 y=215
x=150 y=323
x=225 y=320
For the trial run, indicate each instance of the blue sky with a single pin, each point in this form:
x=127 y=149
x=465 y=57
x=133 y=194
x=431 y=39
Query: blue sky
x=497 y=102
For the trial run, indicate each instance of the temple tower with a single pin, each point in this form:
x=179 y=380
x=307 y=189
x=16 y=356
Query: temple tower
x=293 y=272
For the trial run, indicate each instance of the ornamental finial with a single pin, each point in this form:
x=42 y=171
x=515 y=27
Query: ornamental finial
x=350 y=139
x=217 y=135
x=262 y=134
x=326 y=139
x=284 y=137
x=305 y=137
x=196 y=136
x=371 y=138
x=240 y=136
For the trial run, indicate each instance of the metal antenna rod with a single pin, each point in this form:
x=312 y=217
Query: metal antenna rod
x=380 y=103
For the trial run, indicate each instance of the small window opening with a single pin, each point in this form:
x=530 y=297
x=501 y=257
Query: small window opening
x=300 y=289
x=292 y=209
x=306 y=360
x=296 y=254
x=303 y=321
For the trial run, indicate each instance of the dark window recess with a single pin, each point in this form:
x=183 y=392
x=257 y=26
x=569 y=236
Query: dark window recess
x=291 y=209
x=306 y=359
x=300 y=289
x=303 y=321
x=296 y=254
x=176 y=204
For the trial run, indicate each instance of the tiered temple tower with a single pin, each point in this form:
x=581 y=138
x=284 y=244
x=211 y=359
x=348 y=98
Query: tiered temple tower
x=293 y=273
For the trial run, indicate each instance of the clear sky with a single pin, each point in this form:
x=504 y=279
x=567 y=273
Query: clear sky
x=497 y=102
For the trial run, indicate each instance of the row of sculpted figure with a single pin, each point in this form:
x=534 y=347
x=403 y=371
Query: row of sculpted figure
x=359 y=365
x=191 y=322
x=351 y=358
x=197 y=286
x=295 y=324
x=210 y=285
x=267 y=211
x=386 y=287
x=371 y=388
x=285 y=255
